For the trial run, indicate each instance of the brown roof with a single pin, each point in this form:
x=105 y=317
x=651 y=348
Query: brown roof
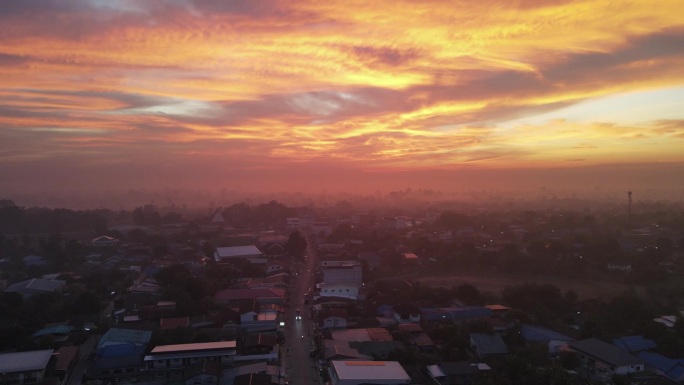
x=379 y=334
x=174 y=323
x=260 y=340
x=410 y=328
x=65 y=355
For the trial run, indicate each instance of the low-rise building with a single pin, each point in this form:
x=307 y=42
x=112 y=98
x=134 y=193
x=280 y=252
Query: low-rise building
x=486 y=345
x=331 y=318
x=169 y=362
x=34 y=286
x=119 y=353
x=600 y=360
x=339 y=289
x=250 y=253
x=24 y=367
x=368 y=372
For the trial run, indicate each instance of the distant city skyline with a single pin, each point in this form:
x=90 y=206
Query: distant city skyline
x=352 y=96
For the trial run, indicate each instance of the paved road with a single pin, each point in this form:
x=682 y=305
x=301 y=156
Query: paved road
x=84 y=361
x=300 y=368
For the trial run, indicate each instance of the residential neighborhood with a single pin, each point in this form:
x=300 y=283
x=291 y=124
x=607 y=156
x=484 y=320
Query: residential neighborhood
x=363 y=299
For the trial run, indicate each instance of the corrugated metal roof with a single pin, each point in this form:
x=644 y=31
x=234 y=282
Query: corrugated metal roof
x=237 y=252
x=370 y=371
x=659 y=361
x=605 y=352
x=132 y=336
x=194 y=347
x=538 y=333
x=634 y=343
x=488 y=344
x=54 y=329
x=24 y=361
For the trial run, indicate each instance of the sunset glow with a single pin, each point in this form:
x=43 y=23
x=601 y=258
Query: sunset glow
x=234 y=93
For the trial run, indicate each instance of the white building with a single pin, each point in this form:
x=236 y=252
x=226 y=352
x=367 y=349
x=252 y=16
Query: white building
x=250 y=253
x=171 y=361
x=24 y=367
x=349 y=272
x=293 y=223
x=368 y=372
x=339 y=289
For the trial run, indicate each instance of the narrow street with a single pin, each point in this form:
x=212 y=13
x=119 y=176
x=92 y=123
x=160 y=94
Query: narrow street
x=299 y=366
x=83 y=362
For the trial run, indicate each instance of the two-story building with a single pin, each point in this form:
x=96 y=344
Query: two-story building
x=349 y=272
x=339 y=289
x=24 y=367
x=169 y=362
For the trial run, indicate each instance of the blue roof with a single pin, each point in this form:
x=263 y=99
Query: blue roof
x=658 y=361
x=121 y=350
x=123 y=336
x=538 y=333
x=676 y=373
x=634 y=343
x=54 y=329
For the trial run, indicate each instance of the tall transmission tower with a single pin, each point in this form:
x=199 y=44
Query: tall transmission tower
x=629 y=207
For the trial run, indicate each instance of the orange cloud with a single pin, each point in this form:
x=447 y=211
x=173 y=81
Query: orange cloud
x=366 y=85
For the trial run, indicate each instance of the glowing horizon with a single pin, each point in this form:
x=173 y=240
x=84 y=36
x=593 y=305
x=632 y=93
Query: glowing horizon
x=162 y=93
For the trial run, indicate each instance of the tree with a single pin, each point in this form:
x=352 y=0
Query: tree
x=86 y=303
x=296 y=244
x=468 y=294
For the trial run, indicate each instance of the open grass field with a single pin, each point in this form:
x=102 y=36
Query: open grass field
x=494 y=284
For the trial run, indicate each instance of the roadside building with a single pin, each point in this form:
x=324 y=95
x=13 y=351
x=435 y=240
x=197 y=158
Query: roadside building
x=170 y=362
x=600 y=360
x=368 y=372
x=24 y=367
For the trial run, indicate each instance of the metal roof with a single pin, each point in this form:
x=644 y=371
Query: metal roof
x=237 y=252
x=24 y=361
x=606 y=352
x=538 y=333
x=634 y=343
x=488 y=344
x=131 y=336
x=37 y=284
x=54 y=329
x=370 y=371
x=194 y=347
x=658 y=361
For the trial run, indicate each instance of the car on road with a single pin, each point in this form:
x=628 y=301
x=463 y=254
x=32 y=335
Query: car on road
x=298 y=315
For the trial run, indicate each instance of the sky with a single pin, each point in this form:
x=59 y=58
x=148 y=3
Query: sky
x=357 y=96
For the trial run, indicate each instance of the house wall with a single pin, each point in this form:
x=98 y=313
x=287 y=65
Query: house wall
x=273 y=268
x=174 y=368
x=413 y=318
x=598 y=369
x=25 y=377
x=335 y=322
x=247 y=317
x=340 y=290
